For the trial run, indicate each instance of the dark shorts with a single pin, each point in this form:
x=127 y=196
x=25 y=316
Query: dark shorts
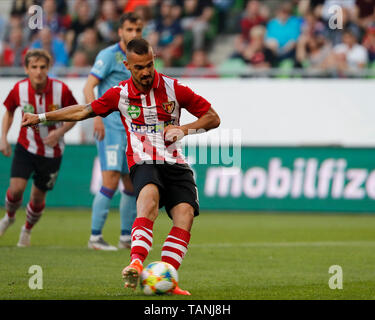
x=175 y=182
x=45 y=169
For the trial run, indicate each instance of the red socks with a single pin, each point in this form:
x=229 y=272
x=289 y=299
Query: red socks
x=33 y=214
x=141 y=238
x=11 y=204
x=175 y=246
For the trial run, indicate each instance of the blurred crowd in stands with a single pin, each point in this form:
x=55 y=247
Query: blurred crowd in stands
x=266 y=34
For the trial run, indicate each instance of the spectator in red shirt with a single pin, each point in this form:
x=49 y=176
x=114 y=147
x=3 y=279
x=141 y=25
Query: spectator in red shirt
x=13 y=51
x=255 y=14
x=369 y=42
x=131 y=5
x=256 y=53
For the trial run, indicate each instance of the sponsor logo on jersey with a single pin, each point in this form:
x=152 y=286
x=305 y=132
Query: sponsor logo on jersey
x=169 y=106
x=28 y=108
x=150 y=128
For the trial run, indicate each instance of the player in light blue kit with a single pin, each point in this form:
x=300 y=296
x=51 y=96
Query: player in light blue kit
x=110 y=135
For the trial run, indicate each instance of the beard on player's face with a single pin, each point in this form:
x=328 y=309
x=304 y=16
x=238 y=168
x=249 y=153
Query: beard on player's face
x=144 y=80
x=142 y=68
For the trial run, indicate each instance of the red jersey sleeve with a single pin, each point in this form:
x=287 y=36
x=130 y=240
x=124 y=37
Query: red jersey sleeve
x=107 y=103
x=192 y=102
x=67 y=97
x=12 y=100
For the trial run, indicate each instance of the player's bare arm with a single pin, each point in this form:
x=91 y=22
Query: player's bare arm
x=68 y=114
x=5 y=148
x=88 y=91
x=208 y=121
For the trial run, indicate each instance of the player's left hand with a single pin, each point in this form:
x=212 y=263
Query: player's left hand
x=52 y=139
x=30 y=119
x=173 y=133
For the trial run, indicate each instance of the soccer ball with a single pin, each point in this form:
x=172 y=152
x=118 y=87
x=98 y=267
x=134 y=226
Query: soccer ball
x=158 y=278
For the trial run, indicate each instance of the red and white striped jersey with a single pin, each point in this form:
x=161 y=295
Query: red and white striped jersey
x=55 y=95
x=144 y=116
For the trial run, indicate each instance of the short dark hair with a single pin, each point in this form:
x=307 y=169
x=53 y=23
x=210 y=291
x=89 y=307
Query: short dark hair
x=138 y=46
x=38 y=54
x=129 y=16
x=349 y=31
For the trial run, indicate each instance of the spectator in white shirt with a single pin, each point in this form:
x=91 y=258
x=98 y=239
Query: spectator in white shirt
x=348 y=55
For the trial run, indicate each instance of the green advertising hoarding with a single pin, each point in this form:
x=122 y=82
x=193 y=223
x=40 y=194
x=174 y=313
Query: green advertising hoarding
x=246 y=178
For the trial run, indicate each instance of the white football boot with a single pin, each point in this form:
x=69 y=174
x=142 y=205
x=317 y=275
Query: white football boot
x=25 y=236
x=100 y=244
x=5 y=223
x=125 y=242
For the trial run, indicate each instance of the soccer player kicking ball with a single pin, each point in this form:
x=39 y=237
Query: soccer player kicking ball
x=39 y=149
x=150 y=106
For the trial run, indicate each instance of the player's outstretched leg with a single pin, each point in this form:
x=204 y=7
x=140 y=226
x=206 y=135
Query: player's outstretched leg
x=100 y=210
x=128 y=213
x=11 y=206
x=176 y=245
x=174 y=250
x=33 y=214
x=141 y=245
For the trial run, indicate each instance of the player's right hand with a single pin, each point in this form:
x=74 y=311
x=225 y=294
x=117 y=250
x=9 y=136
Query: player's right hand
x=5 y=148
x=30 y=119
x=99 y=130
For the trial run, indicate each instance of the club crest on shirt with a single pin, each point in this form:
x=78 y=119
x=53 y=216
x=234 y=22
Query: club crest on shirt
x=134 y=111
x=169 y=106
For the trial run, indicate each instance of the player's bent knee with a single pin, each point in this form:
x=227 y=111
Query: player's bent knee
x=111 y=179
x=128 y=185
x=183 y=216
x=38 y=196
x=148 y=209
x=16 y=193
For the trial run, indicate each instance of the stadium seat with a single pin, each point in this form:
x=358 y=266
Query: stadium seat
x=232 y=67
x=159 y=64
x=371 y=67
x=285 y=68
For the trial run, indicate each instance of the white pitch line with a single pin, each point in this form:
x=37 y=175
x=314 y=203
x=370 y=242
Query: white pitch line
x=252 y=245
x=286 y=244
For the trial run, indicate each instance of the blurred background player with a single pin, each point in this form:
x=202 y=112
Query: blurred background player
x=110 y=135
x=39 y=149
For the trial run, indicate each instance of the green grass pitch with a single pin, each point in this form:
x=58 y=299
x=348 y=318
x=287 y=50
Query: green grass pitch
x=239 y=256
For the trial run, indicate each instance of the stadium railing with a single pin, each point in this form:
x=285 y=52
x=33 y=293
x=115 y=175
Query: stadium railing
x=243 y=72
